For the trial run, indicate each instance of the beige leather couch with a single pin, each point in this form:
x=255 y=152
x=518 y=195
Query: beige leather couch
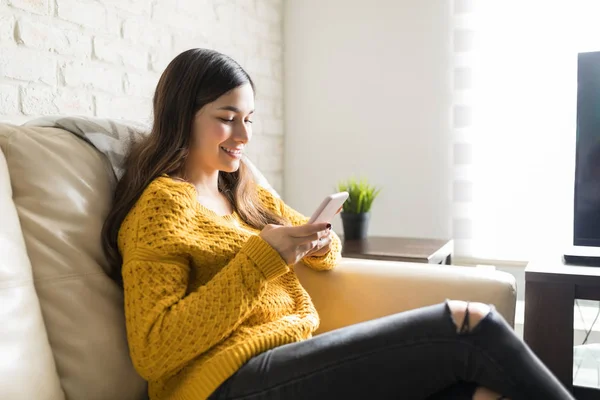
x=62 y=333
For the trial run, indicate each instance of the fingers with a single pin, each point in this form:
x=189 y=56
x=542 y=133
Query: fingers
x=313 y=238
x=318 y=245
x=308 y=233
x=307 y=248
x=322 y=242
x=295 y=242
x=308 y=229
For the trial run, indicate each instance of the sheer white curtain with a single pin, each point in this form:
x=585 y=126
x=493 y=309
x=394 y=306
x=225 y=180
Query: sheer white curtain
x=515 y=86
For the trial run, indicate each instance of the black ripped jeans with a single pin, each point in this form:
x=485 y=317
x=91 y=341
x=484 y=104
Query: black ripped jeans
x=416 y=355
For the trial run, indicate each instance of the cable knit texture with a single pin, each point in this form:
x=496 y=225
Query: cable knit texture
x=204 y=293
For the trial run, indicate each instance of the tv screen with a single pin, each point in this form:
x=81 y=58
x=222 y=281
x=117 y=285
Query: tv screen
x=587 y=165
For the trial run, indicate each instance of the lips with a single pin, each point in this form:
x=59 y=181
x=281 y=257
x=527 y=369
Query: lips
x=235 y=153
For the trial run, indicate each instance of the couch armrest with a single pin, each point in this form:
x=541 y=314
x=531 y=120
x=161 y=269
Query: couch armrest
x=359 y=290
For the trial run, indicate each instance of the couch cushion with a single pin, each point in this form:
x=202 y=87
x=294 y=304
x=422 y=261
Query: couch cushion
x=27 y=367
x=62 y=189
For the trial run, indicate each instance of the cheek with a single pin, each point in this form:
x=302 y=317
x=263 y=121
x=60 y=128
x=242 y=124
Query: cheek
x=218 y=133
x=212 y=134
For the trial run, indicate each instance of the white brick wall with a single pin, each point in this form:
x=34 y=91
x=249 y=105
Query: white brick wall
x=104 y=58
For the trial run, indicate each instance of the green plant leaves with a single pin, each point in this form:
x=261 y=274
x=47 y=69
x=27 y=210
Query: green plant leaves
x=362 y=195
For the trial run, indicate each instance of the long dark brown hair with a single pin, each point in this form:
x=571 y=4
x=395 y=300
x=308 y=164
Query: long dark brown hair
x=193 y=79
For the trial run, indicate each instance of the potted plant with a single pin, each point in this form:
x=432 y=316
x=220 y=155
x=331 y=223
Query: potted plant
x=356 y=210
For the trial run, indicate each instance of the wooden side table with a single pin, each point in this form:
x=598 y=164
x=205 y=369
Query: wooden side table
x=429 y=251
x=551 y=288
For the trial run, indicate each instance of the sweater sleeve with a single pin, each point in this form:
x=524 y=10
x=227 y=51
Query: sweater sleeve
x=319 y=263
x=167 y=326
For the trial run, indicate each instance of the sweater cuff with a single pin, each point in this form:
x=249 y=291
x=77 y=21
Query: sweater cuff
x=265 y=257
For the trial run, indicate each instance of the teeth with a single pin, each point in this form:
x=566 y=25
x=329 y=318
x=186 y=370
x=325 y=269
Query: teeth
x=232 y=151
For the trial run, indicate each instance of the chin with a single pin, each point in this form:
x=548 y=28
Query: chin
x=232 y=167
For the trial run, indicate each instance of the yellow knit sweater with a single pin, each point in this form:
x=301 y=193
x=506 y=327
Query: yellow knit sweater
x=204 y=293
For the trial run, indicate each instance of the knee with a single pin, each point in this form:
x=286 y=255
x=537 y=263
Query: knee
x=486 y=394
x=477 y=311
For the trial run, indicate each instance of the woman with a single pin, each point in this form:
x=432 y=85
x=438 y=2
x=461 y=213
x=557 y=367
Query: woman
x=213 y=307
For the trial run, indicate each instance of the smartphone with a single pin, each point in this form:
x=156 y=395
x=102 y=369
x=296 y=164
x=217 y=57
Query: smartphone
x=328 y=208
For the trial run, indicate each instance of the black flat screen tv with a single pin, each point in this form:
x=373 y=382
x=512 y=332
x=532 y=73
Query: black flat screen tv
x=586 y=219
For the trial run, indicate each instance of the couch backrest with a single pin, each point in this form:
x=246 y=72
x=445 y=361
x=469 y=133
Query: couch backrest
x=27 y=369
x=61 y=190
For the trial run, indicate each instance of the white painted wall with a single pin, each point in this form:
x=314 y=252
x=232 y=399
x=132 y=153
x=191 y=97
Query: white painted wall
x=104 y=58
x=368 y=92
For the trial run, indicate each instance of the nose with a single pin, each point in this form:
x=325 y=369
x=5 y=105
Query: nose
x=242 y=133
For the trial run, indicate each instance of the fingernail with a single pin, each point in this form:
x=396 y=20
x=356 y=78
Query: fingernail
x=329 y=226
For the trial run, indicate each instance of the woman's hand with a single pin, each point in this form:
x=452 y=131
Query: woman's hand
x=324 y=245
x=322 y=248
x=295 y=242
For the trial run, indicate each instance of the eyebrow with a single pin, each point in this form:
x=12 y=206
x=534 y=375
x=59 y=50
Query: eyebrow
x=232 y=108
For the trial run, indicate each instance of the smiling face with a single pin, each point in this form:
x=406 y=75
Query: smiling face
x=221 y=130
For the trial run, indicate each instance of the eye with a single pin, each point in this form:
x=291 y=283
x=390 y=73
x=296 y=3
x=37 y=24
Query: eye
x=249 y=122
x=226 y=120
